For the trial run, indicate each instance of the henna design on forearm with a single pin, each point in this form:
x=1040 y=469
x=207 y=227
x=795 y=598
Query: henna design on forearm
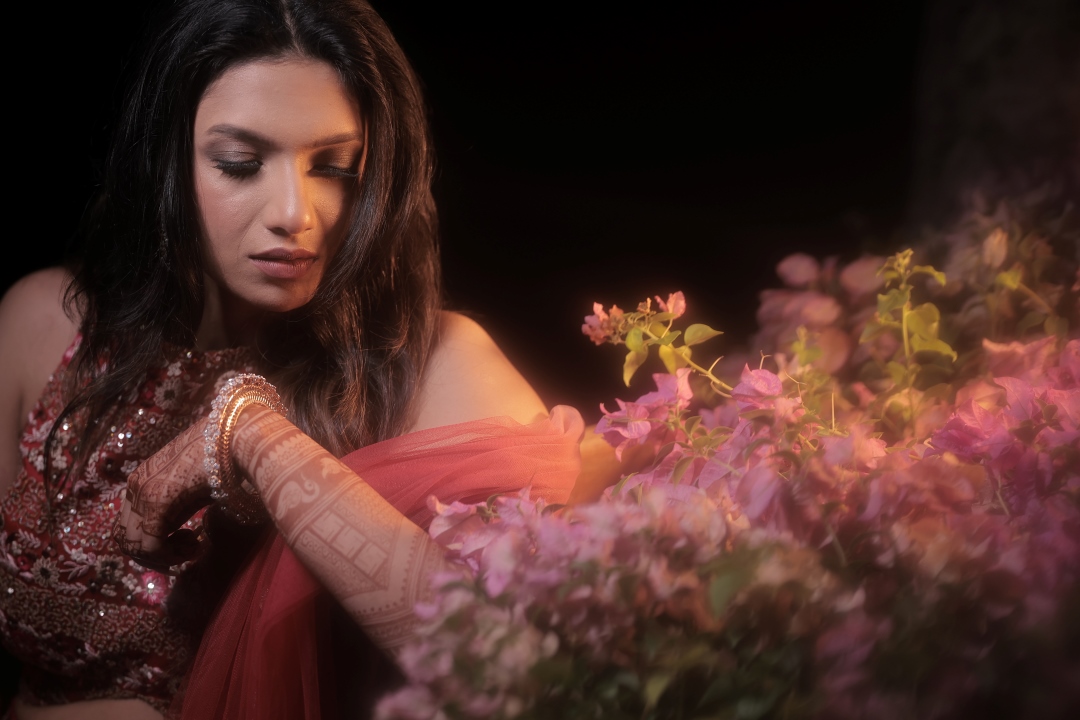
x=375 y=561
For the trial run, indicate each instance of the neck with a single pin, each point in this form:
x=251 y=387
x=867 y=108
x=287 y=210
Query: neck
x=226 y=321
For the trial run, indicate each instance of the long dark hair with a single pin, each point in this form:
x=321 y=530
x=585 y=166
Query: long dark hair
x=348 y=362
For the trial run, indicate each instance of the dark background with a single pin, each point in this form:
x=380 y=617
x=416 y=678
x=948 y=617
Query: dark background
x=597 y=151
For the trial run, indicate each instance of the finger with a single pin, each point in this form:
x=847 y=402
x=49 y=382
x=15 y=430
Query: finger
x=184 y=545
x=165 y=502
x=132 y=533
x=161 y=554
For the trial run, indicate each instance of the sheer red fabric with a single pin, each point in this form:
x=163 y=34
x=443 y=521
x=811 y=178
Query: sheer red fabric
x=259 y=659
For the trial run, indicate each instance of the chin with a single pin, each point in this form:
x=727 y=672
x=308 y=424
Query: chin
x=282 y=301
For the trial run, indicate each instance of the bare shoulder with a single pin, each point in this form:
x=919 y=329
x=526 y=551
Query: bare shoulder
x=34 y=332
x=469 y=378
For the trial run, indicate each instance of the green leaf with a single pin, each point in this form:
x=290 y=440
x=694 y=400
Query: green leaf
x=897 y=372
x=933 y=374
x=672 y=357
x=556 y=670
x=1031 y=320
x=633 y=361
x=668 y=338
x=874 y=328
x=619 y=485
x=724 y=587
x=788 y=455
x=1056 y=325
x=699 y=333
x=929 y=270
x=680 y=469
x=663 y=452
x=1010 y=279
x=752 y=708
x=702 y=443
x=658 y=329
x=655 y=687
x=932 y=345
x=892 y=300
x=923 y=321
x=635 y=340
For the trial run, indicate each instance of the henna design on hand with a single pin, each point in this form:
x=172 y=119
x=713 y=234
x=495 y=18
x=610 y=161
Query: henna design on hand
x=162 y=493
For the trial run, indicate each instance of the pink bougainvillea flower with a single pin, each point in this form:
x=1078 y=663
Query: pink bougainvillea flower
x=675 y=304
x=817 y=310
x=798 y=270
x=628 y=426
x=1025 y=361
x=671 y=391
x=986 y=394
x=1067 y=373
x=602 y=327
x=448 y=518
x=762 y=390
x=860 y=278
x=835 y=346
x=793 y=308
x=413 y=702
x=859 y=449
x=755 y=388
x=635 y=423
x=758 y=492
x=969 y=431
x=501 y=559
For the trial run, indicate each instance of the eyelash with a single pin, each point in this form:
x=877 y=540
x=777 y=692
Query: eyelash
x=241 y=170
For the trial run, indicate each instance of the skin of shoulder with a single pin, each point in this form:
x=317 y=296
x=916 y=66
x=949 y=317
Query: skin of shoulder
x=469 y=378
x=35 y=331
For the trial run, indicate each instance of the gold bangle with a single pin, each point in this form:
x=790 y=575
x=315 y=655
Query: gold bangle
x=225 y=486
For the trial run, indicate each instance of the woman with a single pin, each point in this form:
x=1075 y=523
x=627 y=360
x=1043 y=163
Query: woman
x=266 y=208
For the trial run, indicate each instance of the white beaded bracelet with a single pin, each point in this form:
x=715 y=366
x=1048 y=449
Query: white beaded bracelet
x=225 y=487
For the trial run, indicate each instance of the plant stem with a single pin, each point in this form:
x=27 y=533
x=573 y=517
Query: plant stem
x=1043 y=305
x=694 y=366
x=836 y=544
x=904 y=331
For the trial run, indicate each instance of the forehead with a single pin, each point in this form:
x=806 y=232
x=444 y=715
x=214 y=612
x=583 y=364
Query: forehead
x=292 y=99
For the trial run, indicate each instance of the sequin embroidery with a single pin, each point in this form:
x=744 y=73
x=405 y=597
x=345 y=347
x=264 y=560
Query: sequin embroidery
x=87 y=622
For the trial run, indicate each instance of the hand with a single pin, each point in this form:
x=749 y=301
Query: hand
x=162 y=494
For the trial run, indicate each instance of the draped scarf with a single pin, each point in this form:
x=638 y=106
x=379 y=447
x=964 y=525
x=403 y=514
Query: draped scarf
x=260 y=656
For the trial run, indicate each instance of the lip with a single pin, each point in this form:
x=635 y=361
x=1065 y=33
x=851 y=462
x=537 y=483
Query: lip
x=283 y=264
x=285 y=255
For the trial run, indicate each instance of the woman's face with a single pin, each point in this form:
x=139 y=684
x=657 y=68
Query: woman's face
x=279 y=146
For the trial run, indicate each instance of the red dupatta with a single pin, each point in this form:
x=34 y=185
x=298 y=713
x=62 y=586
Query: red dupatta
x=258 y=659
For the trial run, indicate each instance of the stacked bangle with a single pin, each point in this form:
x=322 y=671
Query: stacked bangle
x=225 y=485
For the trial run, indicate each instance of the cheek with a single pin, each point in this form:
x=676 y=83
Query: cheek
x=333 y=207
x=225 y=213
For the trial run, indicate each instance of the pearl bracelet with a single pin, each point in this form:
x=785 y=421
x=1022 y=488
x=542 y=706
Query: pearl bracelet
x=243 y=505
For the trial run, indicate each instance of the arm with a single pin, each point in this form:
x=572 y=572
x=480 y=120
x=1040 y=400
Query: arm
x=370 y=557
x=34 y=332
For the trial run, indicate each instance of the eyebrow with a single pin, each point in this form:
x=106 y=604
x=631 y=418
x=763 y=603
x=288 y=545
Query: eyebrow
x=253 y=138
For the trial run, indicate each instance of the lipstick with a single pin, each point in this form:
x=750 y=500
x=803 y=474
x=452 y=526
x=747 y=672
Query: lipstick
x=283 y=264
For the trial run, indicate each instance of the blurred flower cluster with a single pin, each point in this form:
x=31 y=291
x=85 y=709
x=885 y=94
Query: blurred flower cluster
x=879 y=517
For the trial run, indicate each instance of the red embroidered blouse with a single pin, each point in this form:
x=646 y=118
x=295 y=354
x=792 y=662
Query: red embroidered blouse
x=85 y=621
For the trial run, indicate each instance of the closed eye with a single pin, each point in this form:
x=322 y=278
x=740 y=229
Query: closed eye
x=335 y=171
x=238 y=168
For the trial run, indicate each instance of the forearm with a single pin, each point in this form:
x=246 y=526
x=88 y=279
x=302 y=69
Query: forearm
x=373 y=559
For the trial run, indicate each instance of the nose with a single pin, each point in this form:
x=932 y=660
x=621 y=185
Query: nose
x=289 y=210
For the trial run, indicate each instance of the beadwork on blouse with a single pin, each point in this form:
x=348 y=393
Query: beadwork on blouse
x=85 y=621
